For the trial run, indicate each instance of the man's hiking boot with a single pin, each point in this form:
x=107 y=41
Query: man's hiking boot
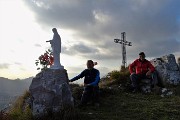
x=135 y=91
x=96 y=104
x=82 y=105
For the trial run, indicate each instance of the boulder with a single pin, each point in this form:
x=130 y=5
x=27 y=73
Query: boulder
x=50 y=92
x=167 y=68
x=178 y=63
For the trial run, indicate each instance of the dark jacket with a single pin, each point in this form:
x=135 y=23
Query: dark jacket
x=91 y=76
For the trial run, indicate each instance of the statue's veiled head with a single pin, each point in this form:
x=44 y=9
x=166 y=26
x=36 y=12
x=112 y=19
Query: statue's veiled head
x=54 y=30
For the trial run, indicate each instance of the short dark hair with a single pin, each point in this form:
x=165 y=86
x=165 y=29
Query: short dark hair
x=141 y=53
x=90 y=61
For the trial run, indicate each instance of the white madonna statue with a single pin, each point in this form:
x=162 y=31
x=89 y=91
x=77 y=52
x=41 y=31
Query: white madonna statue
x=56 y=49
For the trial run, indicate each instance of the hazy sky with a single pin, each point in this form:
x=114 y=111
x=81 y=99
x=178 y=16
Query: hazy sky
x=87 y=29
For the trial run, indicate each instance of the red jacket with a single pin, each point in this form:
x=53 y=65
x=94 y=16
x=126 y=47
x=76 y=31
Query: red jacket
x=141 y=67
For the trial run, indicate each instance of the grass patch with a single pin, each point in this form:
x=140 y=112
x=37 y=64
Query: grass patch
x=20 y=112
x=128 y=106
x=120 y=104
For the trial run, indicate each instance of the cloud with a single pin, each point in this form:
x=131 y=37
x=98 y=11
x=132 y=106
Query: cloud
x=151 y=26
x=79 y=49
x=4 y=66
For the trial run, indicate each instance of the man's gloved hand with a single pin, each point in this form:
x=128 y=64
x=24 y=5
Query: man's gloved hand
x=85 y=85
x=148 y=73
x=133 y=73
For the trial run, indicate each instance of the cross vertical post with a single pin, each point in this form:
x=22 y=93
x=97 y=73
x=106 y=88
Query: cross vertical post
x=123 y=42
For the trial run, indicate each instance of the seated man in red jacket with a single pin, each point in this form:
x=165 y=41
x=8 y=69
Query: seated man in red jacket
x=142 y=69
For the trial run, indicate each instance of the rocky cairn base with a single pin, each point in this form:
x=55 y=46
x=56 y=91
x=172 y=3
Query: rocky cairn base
x=50 y=93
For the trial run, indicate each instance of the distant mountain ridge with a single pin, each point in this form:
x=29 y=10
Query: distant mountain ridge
x=9 y=89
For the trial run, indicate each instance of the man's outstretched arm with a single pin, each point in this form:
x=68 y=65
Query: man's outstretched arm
x=81 y=75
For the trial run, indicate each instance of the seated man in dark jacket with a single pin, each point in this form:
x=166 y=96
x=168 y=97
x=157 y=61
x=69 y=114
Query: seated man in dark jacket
x=91 y=80
x=142 y=69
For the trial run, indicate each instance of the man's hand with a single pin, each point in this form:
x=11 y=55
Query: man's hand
x=133 y=73
x=85 y=85
x=148 y=73
x=49 y=41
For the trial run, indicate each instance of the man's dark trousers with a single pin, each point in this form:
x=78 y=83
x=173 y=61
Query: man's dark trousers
x=90 y=93
x=136 y=79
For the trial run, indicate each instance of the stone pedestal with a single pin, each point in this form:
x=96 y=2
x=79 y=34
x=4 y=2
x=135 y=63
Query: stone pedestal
x=57 y=67
x=50 y=92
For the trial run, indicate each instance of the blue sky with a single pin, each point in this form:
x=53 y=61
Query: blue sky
x=87 y=29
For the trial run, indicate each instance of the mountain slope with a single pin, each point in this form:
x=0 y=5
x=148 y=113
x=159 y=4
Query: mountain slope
x=10 y=89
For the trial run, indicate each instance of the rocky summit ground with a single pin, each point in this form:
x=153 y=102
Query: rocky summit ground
x=117 y=102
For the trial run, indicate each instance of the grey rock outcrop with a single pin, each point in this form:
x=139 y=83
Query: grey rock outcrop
x=167 y=68
x=178 y=63
x=50 y=92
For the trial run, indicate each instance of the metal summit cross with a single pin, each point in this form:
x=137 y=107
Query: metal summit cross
x=124 y=43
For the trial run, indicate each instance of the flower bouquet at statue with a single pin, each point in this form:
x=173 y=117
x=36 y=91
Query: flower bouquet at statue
x=45 y=60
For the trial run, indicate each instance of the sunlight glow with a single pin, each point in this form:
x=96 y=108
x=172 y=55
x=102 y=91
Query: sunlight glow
x=23 y=41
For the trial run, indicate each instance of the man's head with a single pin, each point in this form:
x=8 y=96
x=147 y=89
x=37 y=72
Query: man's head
x=90 y=64
x=142 y=56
